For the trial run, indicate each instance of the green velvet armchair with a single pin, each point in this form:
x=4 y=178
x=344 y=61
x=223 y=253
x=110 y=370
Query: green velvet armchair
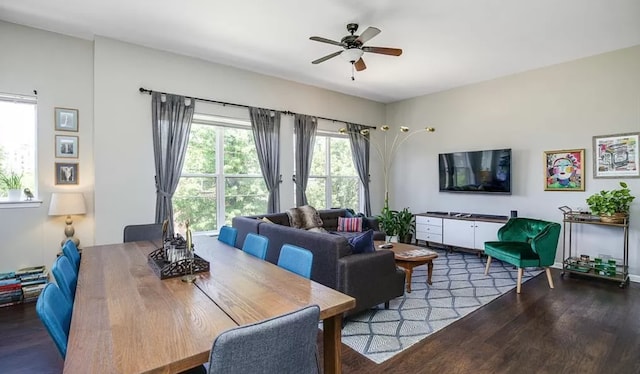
x=525 y=242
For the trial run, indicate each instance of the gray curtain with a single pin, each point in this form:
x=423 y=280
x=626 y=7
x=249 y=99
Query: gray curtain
x=360 y=154
x=171 y=122
x=266 y=133
x=305 y=131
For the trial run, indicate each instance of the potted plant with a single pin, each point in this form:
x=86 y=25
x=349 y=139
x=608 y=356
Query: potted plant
x=13 y=183
x=406 y=228
x=388 y=222
x=612 y=206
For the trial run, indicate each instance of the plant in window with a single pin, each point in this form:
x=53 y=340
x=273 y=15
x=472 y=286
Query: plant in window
x=11 y=181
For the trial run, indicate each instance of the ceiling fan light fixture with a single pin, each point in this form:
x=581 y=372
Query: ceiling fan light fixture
x=352 y=54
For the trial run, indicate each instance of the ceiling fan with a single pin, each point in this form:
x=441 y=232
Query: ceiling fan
x=354 y=46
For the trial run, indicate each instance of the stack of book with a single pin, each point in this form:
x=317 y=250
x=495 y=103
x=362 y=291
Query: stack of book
x=32 y=280
x=10 y=289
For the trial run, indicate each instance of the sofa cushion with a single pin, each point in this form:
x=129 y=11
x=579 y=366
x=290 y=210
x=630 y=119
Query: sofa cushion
x=304 y=217
x=362 y=243
x=350 y=224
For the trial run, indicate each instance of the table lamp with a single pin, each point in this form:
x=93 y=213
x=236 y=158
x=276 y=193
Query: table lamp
x=66 y=204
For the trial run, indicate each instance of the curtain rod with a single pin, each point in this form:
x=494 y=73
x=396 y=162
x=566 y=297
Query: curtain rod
x=223 y=103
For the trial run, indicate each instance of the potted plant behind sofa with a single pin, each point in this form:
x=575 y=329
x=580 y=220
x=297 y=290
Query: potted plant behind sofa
x=406 y=228
x=612 y=206
x=388 y=222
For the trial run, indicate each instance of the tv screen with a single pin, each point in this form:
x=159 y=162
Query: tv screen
x=476 y=171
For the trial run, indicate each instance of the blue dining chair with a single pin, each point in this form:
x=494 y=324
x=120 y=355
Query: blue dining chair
x=71 y=251
x=66 y=277
x=296 y=259
x=54 y=310
x=283 y=344
x=228 y=235
x=256 y=245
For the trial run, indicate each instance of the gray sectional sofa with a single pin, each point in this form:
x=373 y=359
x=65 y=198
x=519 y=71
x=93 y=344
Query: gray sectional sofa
x=371 y=278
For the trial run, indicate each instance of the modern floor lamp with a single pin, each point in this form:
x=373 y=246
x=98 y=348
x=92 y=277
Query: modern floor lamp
x=388 y=150
x=67 y=204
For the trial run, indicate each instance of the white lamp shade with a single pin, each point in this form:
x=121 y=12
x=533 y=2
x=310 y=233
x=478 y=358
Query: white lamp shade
x=67 y=203
x=352 y=54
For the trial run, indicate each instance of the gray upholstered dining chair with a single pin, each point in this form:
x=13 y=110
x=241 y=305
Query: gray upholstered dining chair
x=283 y=344
x=149 y=231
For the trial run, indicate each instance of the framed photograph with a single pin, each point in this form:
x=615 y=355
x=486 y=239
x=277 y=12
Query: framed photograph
x=66 y=119
x=616 y=156
x=66 y=146
x=564 y=170
x=66 y=173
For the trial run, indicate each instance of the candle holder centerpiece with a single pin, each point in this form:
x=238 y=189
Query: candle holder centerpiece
x=176 y=257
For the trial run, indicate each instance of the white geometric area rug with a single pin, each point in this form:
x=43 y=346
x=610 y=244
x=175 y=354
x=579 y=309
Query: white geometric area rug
x=459 y=287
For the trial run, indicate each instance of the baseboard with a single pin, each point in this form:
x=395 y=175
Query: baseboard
x=632 y=278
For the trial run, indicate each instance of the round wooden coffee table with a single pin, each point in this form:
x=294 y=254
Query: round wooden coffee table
x=409 y=256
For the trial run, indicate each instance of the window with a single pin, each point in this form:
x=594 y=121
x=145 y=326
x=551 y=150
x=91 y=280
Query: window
x=18 y=140
x=333 y=180
x=221 y=176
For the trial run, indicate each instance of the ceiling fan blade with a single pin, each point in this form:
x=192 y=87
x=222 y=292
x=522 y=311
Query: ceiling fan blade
x=369 y=33
x=383 y=50
x=325 y=58
x=359 y=65
x=325 y=40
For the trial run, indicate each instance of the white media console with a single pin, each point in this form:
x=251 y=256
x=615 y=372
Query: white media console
x=458 y=230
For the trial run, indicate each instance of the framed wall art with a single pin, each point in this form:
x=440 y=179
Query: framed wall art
x=66 y=173
x=66 y=146
x=616 y=156
x=564 y=170
x=66 y=119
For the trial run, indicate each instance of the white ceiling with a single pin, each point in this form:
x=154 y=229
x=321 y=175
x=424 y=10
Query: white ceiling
x=446 y=43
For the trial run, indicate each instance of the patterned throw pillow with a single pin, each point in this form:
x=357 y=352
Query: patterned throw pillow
x=304 y=217
x=362 y=243
x=350 y=224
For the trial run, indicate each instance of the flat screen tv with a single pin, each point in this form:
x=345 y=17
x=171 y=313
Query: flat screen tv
x=476 y=171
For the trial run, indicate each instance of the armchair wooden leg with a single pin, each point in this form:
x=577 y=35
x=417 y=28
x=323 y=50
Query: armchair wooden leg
x=519 y=286
x=486 y=270
x=549 y=279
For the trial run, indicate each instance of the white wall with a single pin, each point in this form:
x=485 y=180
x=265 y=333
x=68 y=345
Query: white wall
x=60 y=68
x=558 y=107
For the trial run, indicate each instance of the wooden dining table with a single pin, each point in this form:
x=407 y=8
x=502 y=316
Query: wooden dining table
x=127 y=320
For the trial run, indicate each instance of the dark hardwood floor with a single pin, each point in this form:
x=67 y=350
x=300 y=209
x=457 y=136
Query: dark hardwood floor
x=582 y=326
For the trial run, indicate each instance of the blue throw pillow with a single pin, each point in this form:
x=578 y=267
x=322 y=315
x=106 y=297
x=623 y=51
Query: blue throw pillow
x=362 y=243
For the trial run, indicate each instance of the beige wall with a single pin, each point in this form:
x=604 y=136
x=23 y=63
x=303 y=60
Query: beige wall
x=559 y=107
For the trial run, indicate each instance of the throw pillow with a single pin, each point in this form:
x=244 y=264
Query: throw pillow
x=350 y=224
x=304 y=217
x=362 y=243
x=265 y=220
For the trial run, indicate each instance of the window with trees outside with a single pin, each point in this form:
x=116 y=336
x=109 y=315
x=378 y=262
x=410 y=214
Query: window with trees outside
x=18 y=141
x=221 y=176
x=333 y=180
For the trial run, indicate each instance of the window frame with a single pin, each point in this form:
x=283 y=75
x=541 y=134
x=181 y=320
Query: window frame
x=328 y=177
x=35 y=201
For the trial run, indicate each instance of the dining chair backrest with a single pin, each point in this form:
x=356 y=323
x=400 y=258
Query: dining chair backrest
x=296 y=259
x=71 y=251
x=54 y=310
x=147 y=231
x=256 y=245
x=66 y=277
x=283 y=344
x=228 y=235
